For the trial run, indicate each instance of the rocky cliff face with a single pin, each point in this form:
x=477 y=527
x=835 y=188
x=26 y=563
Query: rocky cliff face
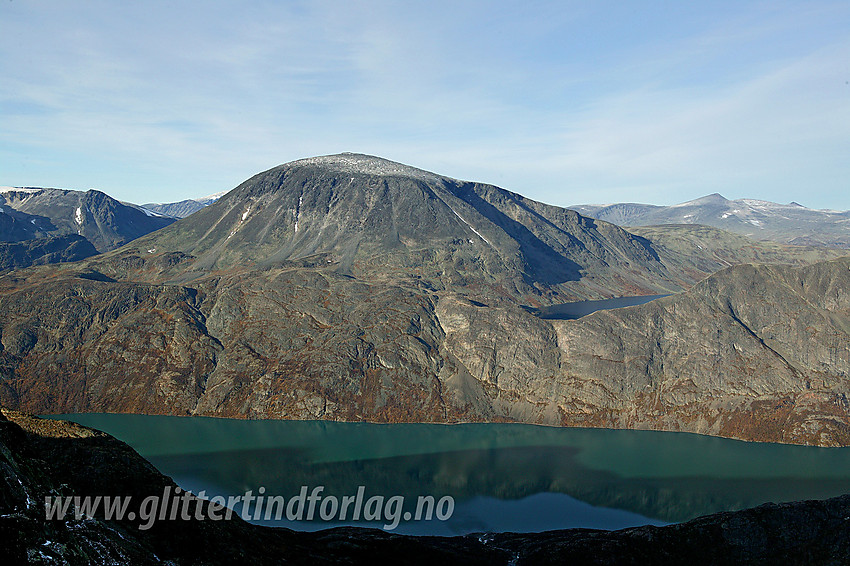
x=40 y=458
x=352 y=288
x=753 y=352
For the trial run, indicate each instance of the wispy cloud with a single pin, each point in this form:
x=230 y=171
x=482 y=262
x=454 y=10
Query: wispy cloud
x=565 y=101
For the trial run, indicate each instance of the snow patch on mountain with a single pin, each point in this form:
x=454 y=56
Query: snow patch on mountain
x=19 y=190
x=209 y=199
x=470 y=225
x=368 y=164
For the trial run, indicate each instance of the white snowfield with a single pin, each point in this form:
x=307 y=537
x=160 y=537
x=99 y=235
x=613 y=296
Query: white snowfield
x=359 y=163
x=18 y=190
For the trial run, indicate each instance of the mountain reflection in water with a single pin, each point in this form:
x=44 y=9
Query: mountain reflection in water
x=502 y=476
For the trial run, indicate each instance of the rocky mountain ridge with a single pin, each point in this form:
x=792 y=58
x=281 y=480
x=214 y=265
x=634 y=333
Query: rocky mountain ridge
x=34 y=214
x=761 y=220
x=316 y=290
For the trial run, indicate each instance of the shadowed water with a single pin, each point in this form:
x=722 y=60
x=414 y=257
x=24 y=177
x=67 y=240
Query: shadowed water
x=503 y=477
x=578 y=309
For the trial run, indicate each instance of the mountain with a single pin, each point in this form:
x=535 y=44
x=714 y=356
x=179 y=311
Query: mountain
x=761 y=220
x=183 y=208
x=44 y=458
x=370 y=217
x=349 y=287
x=29 y=213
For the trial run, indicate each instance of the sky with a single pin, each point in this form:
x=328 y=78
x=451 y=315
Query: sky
x=566 y=102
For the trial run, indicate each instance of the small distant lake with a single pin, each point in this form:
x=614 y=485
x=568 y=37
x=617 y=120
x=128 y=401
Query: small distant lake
x=503 y=477
x=578 y=309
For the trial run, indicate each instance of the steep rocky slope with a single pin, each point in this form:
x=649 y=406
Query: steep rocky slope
x=349 y=288
x=753 y=352
x=40 y=458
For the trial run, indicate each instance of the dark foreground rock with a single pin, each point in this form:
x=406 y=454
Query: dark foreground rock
x=44 y=457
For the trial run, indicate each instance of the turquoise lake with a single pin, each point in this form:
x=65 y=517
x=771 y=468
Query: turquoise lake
x=502 y=477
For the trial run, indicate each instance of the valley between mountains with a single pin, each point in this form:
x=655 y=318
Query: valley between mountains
x=349 y=287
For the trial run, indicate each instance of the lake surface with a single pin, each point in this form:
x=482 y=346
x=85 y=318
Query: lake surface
x=578 y=309
x=503 y=477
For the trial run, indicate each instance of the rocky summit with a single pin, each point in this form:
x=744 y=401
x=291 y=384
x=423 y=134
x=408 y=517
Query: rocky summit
x=349 y=287
x=374 y=219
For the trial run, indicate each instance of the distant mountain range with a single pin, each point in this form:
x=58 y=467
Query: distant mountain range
x=63 y=217
x=758 y=219
x=349 y=287
x=183 y=208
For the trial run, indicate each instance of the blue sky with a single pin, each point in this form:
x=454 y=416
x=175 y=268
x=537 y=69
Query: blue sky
x=565 y=102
